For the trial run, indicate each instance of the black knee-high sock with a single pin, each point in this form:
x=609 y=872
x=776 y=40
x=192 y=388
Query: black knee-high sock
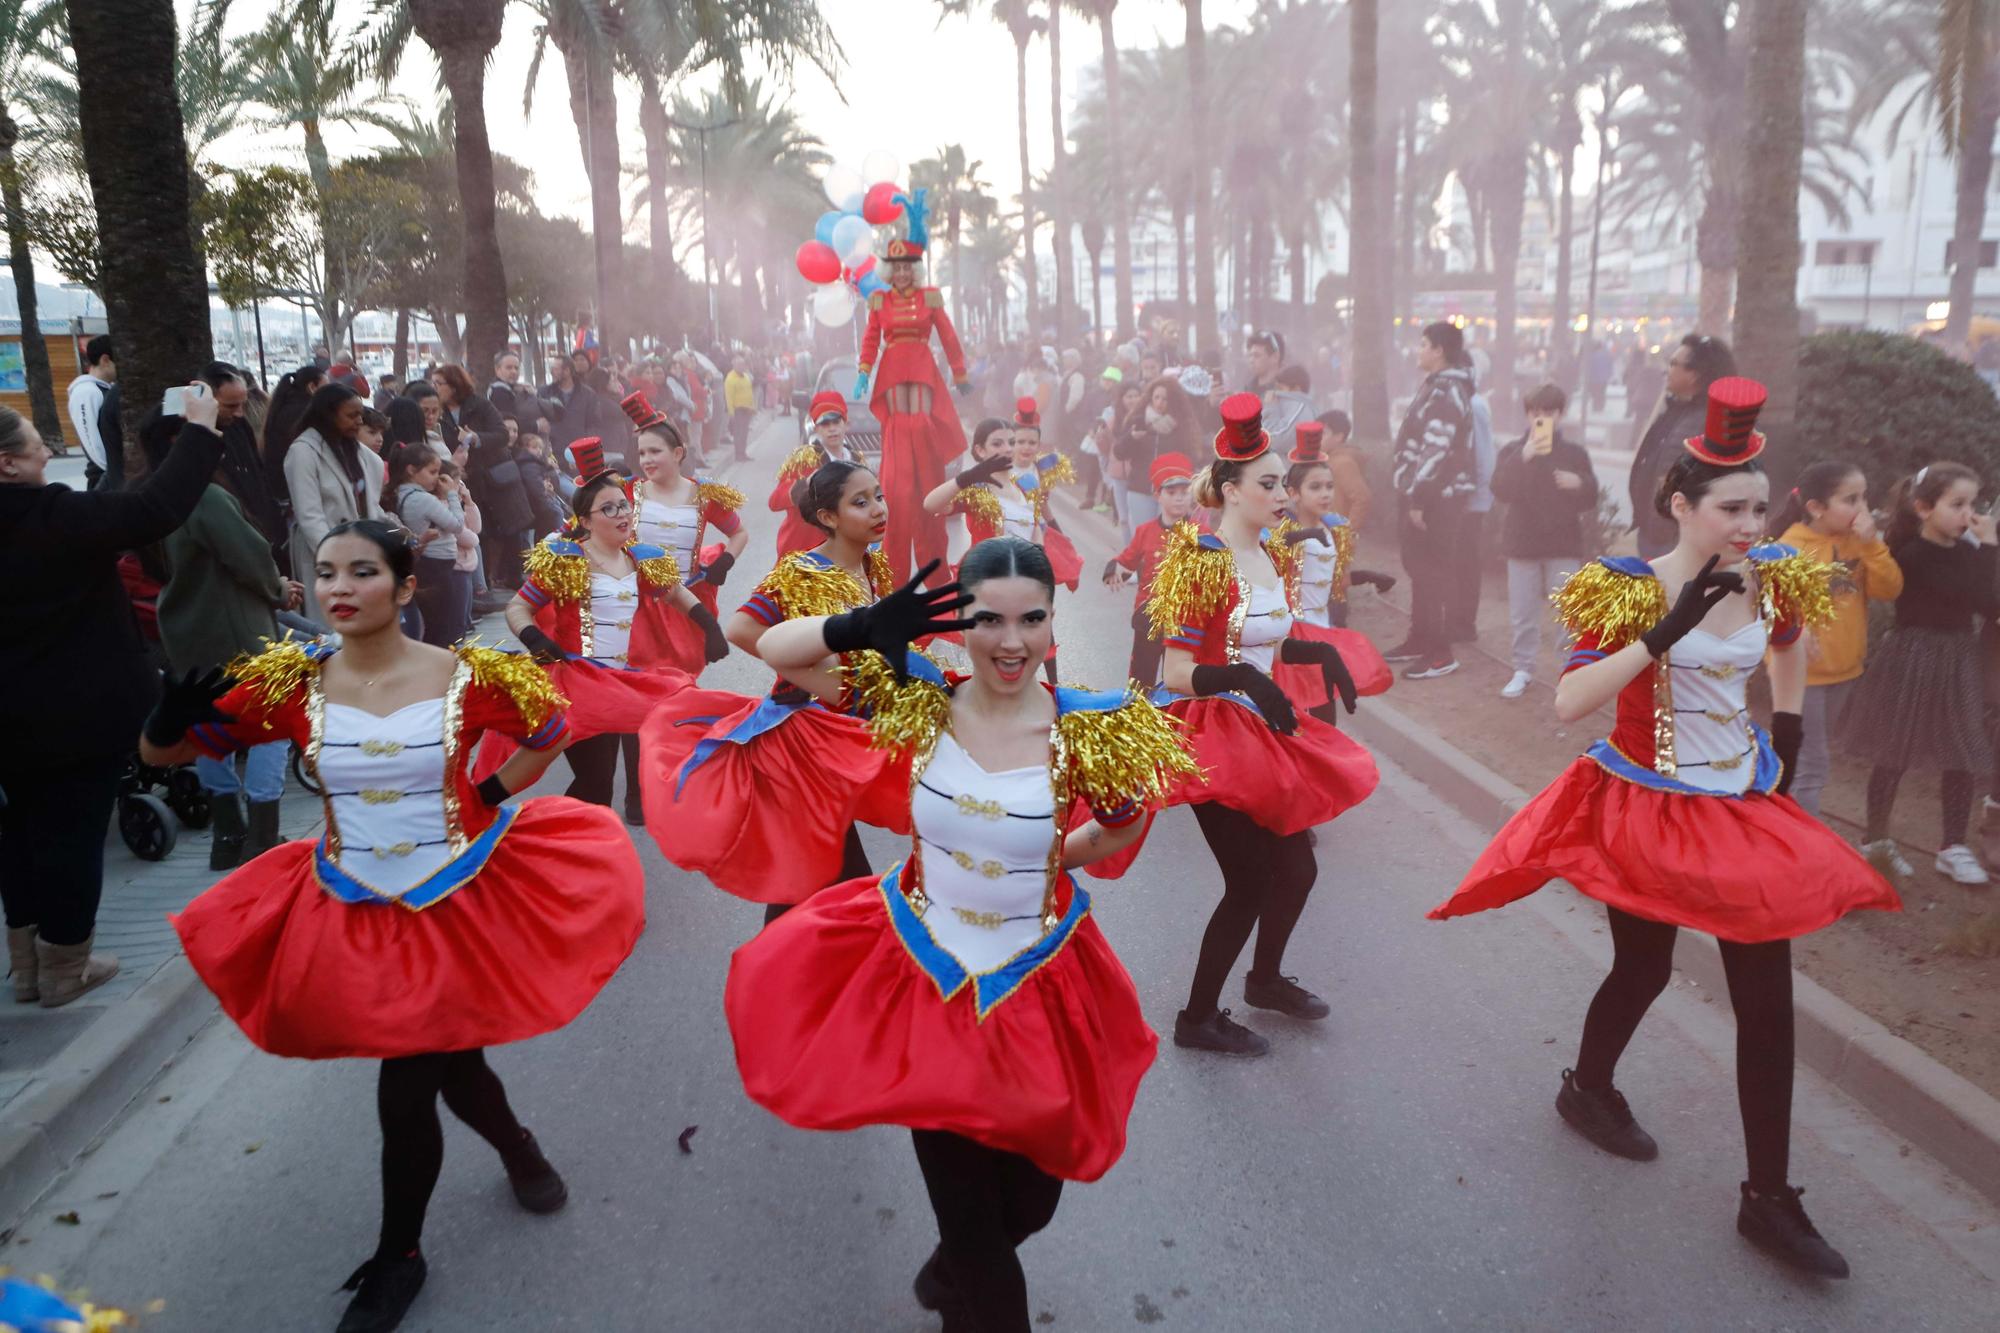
x=1641 y=965
x=412 y=1148
x=1882 y=784
x=476 y=1096
x=1760 y=990
x=1956 y=791
x=1293 y=872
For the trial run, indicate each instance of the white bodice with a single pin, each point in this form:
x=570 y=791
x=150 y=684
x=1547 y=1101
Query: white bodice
x=985 y=841
x=1316 y=567
x=1267 y=619
x=613 y=604
x=1017 y=515
x=385 y=790
x=1714 y=747
x=676 y=527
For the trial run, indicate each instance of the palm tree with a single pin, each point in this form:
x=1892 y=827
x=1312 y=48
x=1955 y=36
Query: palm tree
x=1059 y=218
x=154 y=293
x=1121 y=206
x=1766 y=334
x=1198 y=144
x=21 y=26
x=1968 y=100
x=955 y=190
x=1367 y=253
x=1021 y=25
x=586 y=33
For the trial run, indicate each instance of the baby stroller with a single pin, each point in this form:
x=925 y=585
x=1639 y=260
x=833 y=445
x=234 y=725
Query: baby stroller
x=154 y=802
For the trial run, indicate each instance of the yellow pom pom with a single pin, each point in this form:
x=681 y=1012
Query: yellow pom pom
x=518 y=676
x=278 y=674
x=1131 y=752
x=1059 y=473
x=566 y=578
x=800 y=462
x=905 y=717
x=980 y=502
x=1796 y=589
x=660 y=571
x=806 y=588
x=715 y=493
x=1191 y=583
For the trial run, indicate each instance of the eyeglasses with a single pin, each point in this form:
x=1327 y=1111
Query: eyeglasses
x=616 y=509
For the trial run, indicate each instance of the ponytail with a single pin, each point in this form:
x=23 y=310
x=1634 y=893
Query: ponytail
x=1817 y=482
x=1927 y=485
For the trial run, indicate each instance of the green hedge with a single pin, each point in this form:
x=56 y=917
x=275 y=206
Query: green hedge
x=1893 y=404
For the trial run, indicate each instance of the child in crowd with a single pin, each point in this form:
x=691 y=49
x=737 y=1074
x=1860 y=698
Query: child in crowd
x=1350 y=485
x=374 y=426
x=1921 y=701
x=452 y=489
x=1172 y=478
x=1549 y=488
x=1325 y=542
x=1827 y=517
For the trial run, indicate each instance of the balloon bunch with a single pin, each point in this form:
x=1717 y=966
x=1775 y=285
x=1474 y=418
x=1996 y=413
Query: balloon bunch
x=840 y=258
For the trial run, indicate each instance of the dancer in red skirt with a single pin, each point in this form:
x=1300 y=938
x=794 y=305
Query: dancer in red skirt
x=1680 y=818
x=1172 y=481
x=761 y=794
x=430 y=920
x=611 y=619
x=1037 y=471
x=974 y=494
x=1224 y=604
x=674 y=512
x=827 y=443
x=920 y=428
x=967 y=993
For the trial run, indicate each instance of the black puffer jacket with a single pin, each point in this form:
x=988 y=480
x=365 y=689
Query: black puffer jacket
x=1678 y=419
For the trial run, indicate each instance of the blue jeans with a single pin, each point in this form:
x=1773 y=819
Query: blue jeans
x=1141 y=508
x=263 y=772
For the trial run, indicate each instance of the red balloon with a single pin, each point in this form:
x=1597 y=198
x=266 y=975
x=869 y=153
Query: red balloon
x=879 y=205
x=817 y=262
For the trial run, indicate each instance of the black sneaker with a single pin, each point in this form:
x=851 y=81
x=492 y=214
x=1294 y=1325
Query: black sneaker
x=1430 y=668
x=1218 y=1033
x=1406 y=651
x=1285 y=995
x=537 y=1187
x=1776 y=1223
x=635 y=812
x=1602 y=1116
x=384 y=1290
x=933 y=1291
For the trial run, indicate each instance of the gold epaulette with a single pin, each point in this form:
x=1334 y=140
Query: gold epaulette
x=800 y=462
x=806 y=589
x=658 y=571
x=880 y=572
x=982 y=502
x=933 y=298
x=564 y=577
x=715 y=493
x=905 y=717
x=1794 y=587
x=517 y=675
x=1191 y=583
x=278 y=674
x=1131 y=752
x=1062 y=474
x=1343 y=553
x=874 y=303
x=1615 y=606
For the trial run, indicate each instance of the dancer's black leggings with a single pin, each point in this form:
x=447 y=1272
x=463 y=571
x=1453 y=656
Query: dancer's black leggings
x=853 y=865
x=987 y=1202
x=1265 y=880
x=593 y=766
x=1760 y=990
x=1955 y=789
x=413 y=1140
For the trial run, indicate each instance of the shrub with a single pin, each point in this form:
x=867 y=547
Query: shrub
x=1893 y=404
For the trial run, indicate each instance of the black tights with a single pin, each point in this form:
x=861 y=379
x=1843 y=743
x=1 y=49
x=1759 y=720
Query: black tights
x=1760 y=991
x=853 y=865
x=593 y=766
x=1955 y=789
x=413 y=1140
x=1265 y=881
x=987 y=1202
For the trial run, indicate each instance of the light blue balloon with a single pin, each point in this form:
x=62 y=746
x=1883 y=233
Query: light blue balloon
x=870 y=284
x=847 y=233
x=823 y=229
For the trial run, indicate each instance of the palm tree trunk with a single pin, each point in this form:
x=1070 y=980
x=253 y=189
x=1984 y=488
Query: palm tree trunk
x=34 y=351
x=1198 y=139
x=1569 y=137
x=136 y=156
x=594 y=107
x=1508 y=201
x=1975 y=170
x=399 y=359
x=1767 y=310
x=1121 y=203
x=1031 y=309
x=1296 y=244
x=463 y=36
x=1181 y=254
x=1368 y=337
x=953 y=217
x=1059 y=223
x=659 y=219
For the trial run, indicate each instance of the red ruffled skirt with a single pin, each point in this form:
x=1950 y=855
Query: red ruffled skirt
x=518 y=951
x=1745 y=869
x=603 y=701
x=766 y=818
x=1306 y=687
x=1286 y=783
x=1063 y=558
x=836 y=1026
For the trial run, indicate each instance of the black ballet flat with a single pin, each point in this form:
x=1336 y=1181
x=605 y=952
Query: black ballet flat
x=384 y=1289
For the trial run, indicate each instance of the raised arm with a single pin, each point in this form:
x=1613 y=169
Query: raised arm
x=139 y=517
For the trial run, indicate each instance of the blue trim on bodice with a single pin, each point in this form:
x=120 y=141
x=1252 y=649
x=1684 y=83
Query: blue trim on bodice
x=1762 y=782
x=446 y=880
x=1162 y=696
x=948 y=974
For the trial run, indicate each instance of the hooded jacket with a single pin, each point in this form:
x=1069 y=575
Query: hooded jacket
x=1432 y=461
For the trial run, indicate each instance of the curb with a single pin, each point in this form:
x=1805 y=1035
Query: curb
x=91 y=1080
x=1944 y=1114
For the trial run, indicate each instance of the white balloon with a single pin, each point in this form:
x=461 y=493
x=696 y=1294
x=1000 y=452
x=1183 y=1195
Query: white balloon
x=833 y=304
x=853 y=239
x=852 y=203
x=881 y=165
x=842 y=184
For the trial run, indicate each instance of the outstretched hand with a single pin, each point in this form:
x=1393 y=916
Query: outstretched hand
x=889 y=626
x=186 y=703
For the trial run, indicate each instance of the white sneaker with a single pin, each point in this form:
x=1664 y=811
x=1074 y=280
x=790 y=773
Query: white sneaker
x=1516 y=686
x=1959 y=863
x=1886 y=857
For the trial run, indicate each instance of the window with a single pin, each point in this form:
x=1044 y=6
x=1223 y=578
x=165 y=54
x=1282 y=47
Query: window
x=1837 y=254
x=1989 y=254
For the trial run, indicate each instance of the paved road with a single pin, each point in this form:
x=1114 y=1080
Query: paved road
x=1398 y=1166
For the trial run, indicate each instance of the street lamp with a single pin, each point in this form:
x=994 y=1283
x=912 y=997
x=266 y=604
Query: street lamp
x=707 y=246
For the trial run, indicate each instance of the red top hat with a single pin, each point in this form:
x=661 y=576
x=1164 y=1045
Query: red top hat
x=644 y=415
x=1170 y=468
x=1242 y=436
x=903 y=249
x=588 y=455
x=1729 y=437
x=1306 y=439
x=1027 y=414
x=830 y=403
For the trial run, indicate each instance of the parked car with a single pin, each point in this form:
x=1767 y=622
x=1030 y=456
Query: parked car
x=864 y=432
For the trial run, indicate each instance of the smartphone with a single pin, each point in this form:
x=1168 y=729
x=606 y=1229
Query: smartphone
x=173 y=403
x=1543 y=434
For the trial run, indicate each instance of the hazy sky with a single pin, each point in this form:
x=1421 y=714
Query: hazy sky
x=910 y=85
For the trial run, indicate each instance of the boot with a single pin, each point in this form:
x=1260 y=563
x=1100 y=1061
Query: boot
x=22 y=964
x=264 y=834
x=225 y=848
x=68 y=970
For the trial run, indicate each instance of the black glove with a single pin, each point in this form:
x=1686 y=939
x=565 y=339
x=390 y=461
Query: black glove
x=892 y=624
x=1372 y=578
x=964 y=386
x=1305 y=534
x=979 y=472
x=542 y=648
x=491 y=790
x=714 y=644
x=1697 y=598
x=1111 y=574
x=1787 y=731
x=185 y=702
x=1243 y=678
x=717 y=570
x=1339 y=680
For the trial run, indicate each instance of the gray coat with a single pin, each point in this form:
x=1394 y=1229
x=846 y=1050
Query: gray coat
x=323 y=497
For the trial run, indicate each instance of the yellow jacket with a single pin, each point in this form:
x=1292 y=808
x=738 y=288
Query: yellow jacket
x=739 y=392
x=1838 y=651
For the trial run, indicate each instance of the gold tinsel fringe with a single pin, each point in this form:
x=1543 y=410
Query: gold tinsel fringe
x=1060 y=473
x=659 y=571
x=715 y=493
x=880 y=572
x=980 y=502
x=905 y=717
x=1131 y=752
x=566 y=578
x=804 y=589
x=1191 y=582
x=278 y=674
x=1616 y=607
x=1343 y=553
x=1796 y=589
x=518 y=676
x=800 y=462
